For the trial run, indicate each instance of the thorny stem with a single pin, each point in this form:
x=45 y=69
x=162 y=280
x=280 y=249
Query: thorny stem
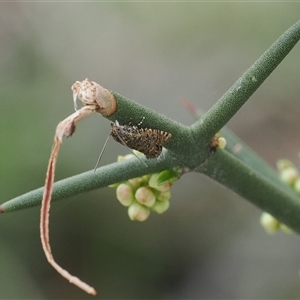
x=242 y=151
x=219 y=115
x=183 y=144
x=281 y=203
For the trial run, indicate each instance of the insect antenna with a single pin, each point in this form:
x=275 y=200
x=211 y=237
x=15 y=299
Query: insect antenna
x=124 y=144
x=101 y=153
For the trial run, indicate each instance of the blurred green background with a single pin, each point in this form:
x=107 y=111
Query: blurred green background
x=209 y=245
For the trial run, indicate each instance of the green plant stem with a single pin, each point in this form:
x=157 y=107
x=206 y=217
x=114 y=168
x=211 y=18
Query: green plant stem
x=131 y=112
x=87 y=181
x=243 y=180
x=218 y=116
x=244 y=153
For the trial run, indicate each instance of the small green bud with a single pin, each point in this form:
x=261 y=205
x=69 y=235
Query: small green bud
x=297 y=185
x=136 y=182
x=125 y=194
x=161 y=206
x=153 y=182
x=137 y=212
x=222 y=142
x=269 y=223
x=283 y=164
x=289 y=175
x=145 y=196
x=164 y=187
x=167 y=176
x=163 y=196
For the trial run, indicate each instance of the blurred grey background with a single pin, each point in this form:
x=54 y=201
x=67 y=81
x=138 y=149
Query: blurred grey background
x=209 y=245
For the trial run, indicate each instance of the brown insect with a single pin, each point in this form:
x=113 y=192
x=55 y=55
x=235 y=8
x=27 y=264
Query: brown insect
x=147 y=141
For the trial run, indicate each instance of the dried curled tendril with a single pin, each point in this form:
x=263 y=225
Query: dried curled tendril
x=95 y=98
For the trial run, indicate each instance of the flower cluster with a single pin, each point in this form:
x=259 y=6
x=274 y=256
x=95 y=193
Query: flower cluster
x=146 y=193
x=289 y=174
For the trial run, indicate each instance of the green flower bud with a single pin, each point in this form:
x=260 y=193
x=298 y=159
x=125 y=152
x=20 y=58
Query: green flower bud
x=153 y=182
x=297 y=185
x=138 y=212
x=289 y=175
x=161 y=206
x=164 y=187
x=167 y=176
x=283 y=164
x=145 y=196
x=137 y=182
x=125 y=194
x=163 y=196
x=269 y=223
x=222 y=142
